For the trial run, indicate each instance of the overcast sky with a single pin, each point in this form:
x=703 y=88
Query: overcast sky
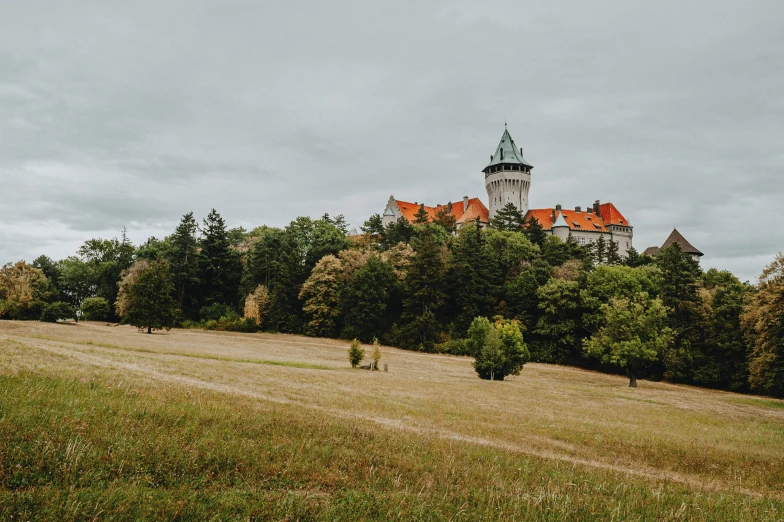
x=130 y=114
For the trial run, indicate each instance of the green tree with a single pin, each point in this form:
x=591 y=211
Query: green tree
x=634 y=334
x=76 y=281
x=370 y=300
x=425 y=292
x=23 y=289
x=558 y=331
x=534 y=232
x=183 y=258
x=421 y=217
x=509 y=219
x=498 y=349
x=445 y=219
x=600 y=250
x=722 y=362
x=613 y=257
x=145 y=298
x=96 y=309
x=763 y=322
x=57 y=311
x=321 y=297
x=220 y=268
x=473 y=277
x=634 y=259
x=355 y=353
x=399 y=231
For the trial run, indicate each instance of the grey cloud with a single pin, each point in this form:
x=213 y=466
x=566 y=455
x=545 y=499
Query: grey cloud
x=146 y=110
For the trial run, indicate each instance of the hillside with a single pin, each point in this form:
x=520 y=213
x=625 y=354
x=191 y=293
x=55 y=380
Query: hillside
x=105 y=422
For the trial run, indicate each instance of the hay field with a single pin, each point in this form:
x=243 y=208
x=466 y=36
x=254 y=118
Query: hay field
x=104 y=422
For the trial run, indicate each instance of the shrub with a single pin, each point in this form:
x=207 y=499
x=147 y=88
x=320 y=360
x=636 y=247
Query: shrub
x=57 y=311
x=216 y=311
x=95 y=309
x=376 y=353
x=453 y=347
x=355 y=353
x=247 y=325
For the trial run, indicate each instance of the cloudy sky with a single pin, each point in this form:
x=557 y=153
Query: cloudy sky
x=130 y=114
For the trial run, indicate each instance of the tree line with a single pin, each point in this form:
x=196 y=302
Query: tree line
x=430 y=287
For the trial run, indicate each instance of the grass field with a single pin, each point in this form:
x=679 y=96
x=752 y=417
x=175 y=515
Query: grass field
x=104 y=423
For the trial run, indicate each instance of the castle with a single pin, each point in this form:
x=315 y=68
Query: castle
x=508 y=180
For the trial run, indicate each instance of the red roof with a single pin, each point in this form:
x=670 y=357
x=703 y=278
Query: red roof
x=583 y=220
x=475 y=209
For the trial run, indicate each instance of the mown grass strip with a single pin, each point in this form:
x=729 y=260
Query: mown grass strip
x=289 y=364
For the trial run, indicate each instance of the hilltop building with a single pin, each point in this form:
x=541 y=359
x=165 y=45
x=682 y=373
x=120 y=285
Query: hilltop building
x=508 y=180
x=676 y=237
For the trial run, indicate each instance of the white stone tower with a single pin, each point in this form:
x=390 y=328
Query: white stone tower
x=507 y=177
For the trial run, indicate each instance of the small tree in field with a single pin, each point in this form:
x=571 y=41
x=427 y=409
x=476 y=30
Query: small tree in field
x=376 y=353
x=355 y=353
x=145 y=298
x=498 y=349
x=257 y=305
x=634 y=334
x=96 y=309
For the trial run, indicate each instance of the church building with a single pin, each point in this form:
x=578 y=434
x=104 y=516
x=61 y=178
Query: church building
x=508 y=180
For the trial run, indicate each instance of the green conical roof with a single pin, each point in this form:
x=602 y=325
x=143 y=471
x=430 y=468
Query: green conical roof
x=507 y=153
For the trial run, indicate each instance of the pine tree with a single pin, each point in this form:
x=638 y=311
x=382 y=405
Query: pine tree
x=425 y=285
x=421 y=216
x=600 y=250
x=446 y=219
x=508 y=219
x=220 y=268
x=613 y=258
x=184 y=262
x=534 y=232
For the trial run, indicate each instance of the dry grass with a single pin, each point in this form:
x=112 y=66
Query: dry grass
x=707 y=442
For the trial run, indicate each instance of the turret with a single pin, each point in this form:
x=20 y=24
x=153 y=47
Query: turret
x=507 y=176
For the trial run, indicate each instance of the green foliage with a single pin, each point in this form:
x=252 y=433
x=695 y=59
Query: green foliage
x=421 y=217
x=376 y=354
x=633 y=334
x=184 y=262
x=355 y=353
x=508 y=218
x=370 y=300
x=558 y=332
x=498 y=350
x=763 y=322
x=425 y=293
x=219 y=264
x=321 y=297
x=96 y=309
x=534 y=232
x=216 y=312
x=145 y=299
x=58 y=311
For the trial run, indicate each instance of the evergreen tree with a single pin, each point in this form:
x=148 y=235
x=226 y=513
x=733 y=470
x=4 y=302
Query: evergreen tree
x=534 y=231
x=145 y=297
x=634 y=259
x=446 y=219
x=220 y=267
x=600 y=250
x=509 y=219
x=370 y=300
x=183 y=258
x=399 y=231
x=613 y=258
x=425 y=293
x=558 y=332
x=373 y=226
x=421 y=217
x=472 y=277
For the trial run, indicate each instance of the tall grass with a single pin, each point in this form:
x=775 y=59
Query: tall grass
x=88 y=446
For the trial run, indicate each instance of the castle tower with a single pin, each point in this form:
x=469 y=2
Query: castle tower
x=507 y=176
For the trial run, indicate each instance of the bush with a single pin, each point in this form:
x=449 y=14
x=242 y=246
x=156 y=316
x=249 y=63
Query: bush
x=247 y=325
x=453 y=347
x=376 y=353
x=96 y=309
x=217 y=311
x=355 y=353
x=57 y=311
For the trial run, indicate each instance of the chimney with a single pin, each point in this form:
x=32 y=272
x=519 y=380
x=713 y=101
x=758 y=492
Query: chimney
x=577 y=209
x=552 y=214
x=589 y=209
x=558 y=207
x=465 y=203
x=521 y=151
x=596 y=208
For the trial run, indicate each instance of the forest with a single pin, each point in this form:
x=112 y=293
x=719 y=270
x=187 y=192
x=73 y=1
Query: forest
x=427 y=286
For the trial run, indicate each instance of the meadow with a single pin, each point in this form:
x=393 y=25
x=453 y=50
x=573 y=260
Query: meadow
x=104 y=423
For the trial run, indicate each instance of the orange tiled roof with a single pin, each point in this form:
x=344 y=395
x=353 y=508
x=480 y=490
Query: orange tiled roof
x=580 y=220
x=475 y=209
